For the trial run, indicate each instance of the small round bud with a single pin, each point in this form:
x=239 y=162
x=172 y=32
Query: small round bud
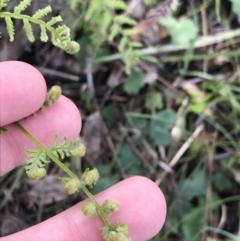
x=53 y=95
x=79 y=151
x=121 y=228
x=71 y=185
x=89 y=209
x=36 y=173
x=72 y=47
x=110 y=206
x=114 y=236
x=90 y=177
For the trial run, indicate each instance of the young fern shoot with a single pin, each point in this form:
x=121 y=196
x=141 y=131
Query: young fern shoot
x=60 y=35
x=37 y=159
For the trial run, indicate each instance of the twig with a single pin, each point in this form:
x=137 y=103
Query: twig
x=168 y=48
x=46 y=71
x=180 y=152
x=185 y=146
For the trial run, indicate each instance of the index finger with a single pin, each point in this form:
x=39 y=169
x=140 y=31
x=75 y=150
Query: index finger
x=22 y=91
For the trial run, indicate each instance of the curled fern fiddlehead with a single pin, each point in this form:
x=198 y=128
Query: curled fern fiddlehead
x=60 y=36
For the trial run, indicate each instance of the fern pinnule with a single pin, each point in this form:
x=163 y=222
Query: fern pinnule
x=10 y=28
x=122 y=19
x=135 y=44
x=96 y=6
x=116 y=4
x=60 y=35
x=22 y=6
x=28 y=30
x=123 y=42
x=65 y=148
x=42 y=12
x=3 y=4
x=54 y=20
x=114 y=32
x=43 y=34
x=106 y=21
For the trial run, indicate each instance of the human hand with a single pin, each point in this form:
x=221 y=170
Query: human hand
x=22 y=92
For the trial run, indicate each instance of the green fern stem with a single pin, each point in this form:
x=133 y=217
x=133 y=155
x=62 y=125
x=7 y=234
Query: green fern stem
x=68 y=172
x=29 y=18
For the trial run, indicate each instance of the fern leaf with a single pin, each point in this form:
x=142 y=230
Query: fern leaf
x=124 y=20
x=135 y=44
x=42 y=12
x=3 y=3
x=116 y=4
x=54 y=20
x=114 y=31
x=107 y=18
x=10 y=28
x=43 y=35
x=149 y=3
x=64 y=33
x=28 y=30
x=35 y=159
x=122 y=44
x=22 y=6
x=130 y=31
x=95 y=7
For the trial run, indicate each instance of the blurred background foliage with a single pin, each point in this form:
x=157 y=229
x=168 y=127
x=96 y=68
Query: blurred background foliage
x=157 y=84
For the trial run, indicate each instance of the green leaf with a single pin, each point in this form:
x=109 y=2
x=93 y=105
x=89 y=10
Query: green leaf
x=195 y=185
x=95 y=7
x=114 y=32
x=122 y=44
x=236 y=8
x=182 y=32
x=28 y=30
x=165 y=119
x=122 y=19
x=135 y=44
x=134 y=83
x=149 y=2
x=139 y=122
x=54 y=20
x=161 y=137
x=128 y=159
x=191 y=222
x=110 y=113
x=43 y=35
x=159 y=126
x=22 y=6
x=116 y=4
x=106 y=21
x=3 y=4
x=42 y=12
x=153 y=100
x=10 y=28
x=221 y=182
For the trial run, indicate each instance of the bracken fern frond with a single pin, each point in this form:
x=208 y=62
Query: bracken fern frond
x=60 y=36
x=22 y=6
x=28 y=30
x=10 y=28
x=42 y=12
x=38 y=158
x=102 y=15
x=3 y=4
x=116 y=4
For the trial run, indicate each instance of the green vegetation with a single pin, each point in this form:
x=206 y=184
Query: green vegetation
x=169 y=111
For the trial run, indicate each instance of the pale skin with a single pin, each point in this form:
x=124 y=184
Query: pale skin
x=22 y=92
